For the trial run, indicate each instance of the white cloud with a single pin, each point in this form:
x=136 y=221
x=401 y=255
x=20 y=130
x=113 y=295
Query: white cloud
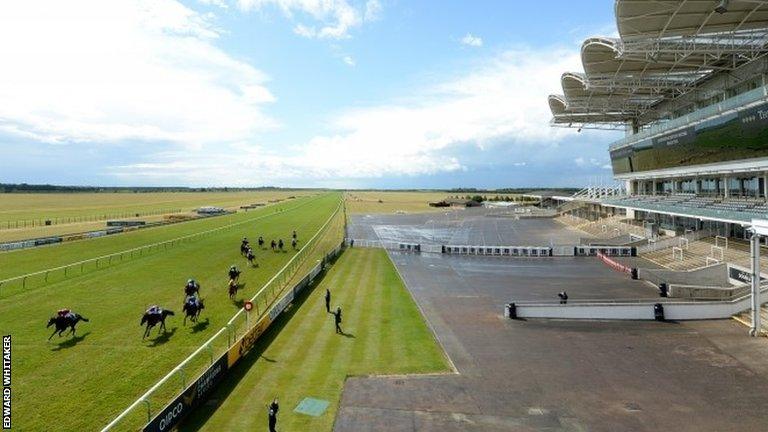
x=348 y=60
x=335 y=18
x=500 y=102
x=582 y=162
x=470 y=40
x=106 y=71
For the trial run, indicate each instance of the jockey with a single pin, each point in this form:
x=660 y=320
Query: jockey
x=191 y=286
x=155 y=310
x=65 y=313
x=192 y=300
x=233 y=272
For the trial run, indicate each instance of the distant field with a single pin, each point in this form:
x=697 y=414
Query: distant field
x=15 y=207
x=22 y=215
x=410 y=202
x=82 y=383
x=301 y=355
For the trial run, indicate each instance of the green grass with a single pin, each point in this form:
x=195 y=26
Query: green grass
x=83 y=383
x=301 y=355
x=28 y=206
x=14 y=263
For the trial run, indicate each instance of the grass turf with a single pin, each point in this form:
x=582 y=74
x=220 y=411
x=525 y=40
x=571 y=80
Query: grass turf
x=301 y=355
x=82 y=383
x=18 y=262
x=28 y=206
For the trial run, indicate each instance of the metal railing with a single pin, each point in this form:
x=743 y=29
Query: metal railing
x=42 y=222
x=224 y=338
x=697 y=116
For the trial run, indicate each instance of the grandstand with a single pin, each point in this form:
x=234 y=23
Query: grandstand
x=686 y=81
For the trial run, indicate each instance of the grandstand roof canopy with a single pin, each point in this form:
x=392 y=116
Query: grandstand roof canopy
x=666 y=48
x=659 y=19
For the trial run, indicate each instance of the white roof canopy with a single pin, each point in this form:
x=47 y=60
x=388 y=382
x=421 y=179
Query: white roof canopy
x=666 y=49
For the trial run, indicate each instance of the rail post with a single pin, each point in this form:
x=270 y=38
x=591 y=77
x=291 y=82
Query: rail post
x=149 y=410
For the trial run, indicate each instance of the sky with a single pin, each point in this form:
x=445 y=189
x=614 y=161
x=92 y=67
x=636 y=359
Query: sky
x=294 y=93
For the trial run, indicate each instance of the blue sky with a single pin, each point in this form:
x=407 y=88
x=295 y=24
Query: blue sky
x=332 y=93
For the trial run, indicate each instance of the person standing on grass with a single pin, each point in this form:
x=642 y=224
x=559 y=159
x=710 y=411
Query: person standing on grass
x=337 y=320
x=272 y=413
x=328 y=300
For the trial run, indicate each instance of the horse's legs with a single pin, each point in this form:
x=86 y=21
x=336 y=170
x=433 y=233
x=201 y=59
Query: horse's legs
x=54 y=332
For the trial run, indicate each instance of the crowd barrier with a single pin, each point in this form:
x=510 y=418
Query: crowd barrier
x=398 y=246
x=613 y=251
x=514 y=251
x=615 y=264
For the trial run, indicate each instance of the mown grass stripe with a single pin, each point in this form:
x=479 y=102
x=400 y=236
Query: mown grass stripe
x=306 y=358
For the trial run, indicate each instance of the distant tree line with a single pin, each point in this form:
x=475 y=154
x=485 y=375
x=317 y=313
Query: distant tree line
x=494 y=198
x=40 y=188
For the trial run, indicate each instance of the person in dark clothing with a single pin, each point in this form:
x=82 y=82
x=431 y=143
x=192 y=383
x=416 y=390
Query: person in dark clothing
x=273 y=409
x=337 y=320
x=261 y=242
x=328 y=300
x=563 y=297
x=280 y=244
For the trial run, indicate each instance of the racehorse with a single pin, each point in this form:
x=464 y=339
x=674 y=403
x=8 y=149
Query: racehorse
x=233 y=286
x=152 y=319
x=243 y=248
x=62 y=322
x=261 y=242
x=192 y=310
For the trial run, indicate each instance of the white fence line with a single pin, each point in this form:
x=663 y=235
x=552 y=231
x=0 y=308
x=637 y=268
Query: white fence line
x=140 y=249
x=633 y=310
x=227 y=328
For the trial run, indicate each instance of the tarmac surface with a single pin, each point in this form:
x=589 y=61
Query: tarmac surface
x=557 y=375
x=463 y=227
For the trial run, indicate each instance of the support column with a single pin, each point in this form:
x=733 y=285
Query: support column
x=653 y=185
x=765 y=186
x=725 y=186
x=696 y=186
x=755 y=252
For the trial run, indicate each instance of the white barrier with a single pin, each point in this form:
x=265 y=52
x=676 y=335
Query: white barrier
x=615 y=251
x=676 y=251
x=634 y=310
x=714 y=249
x=723 y=239
x=509 y=251
x=684 y=243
